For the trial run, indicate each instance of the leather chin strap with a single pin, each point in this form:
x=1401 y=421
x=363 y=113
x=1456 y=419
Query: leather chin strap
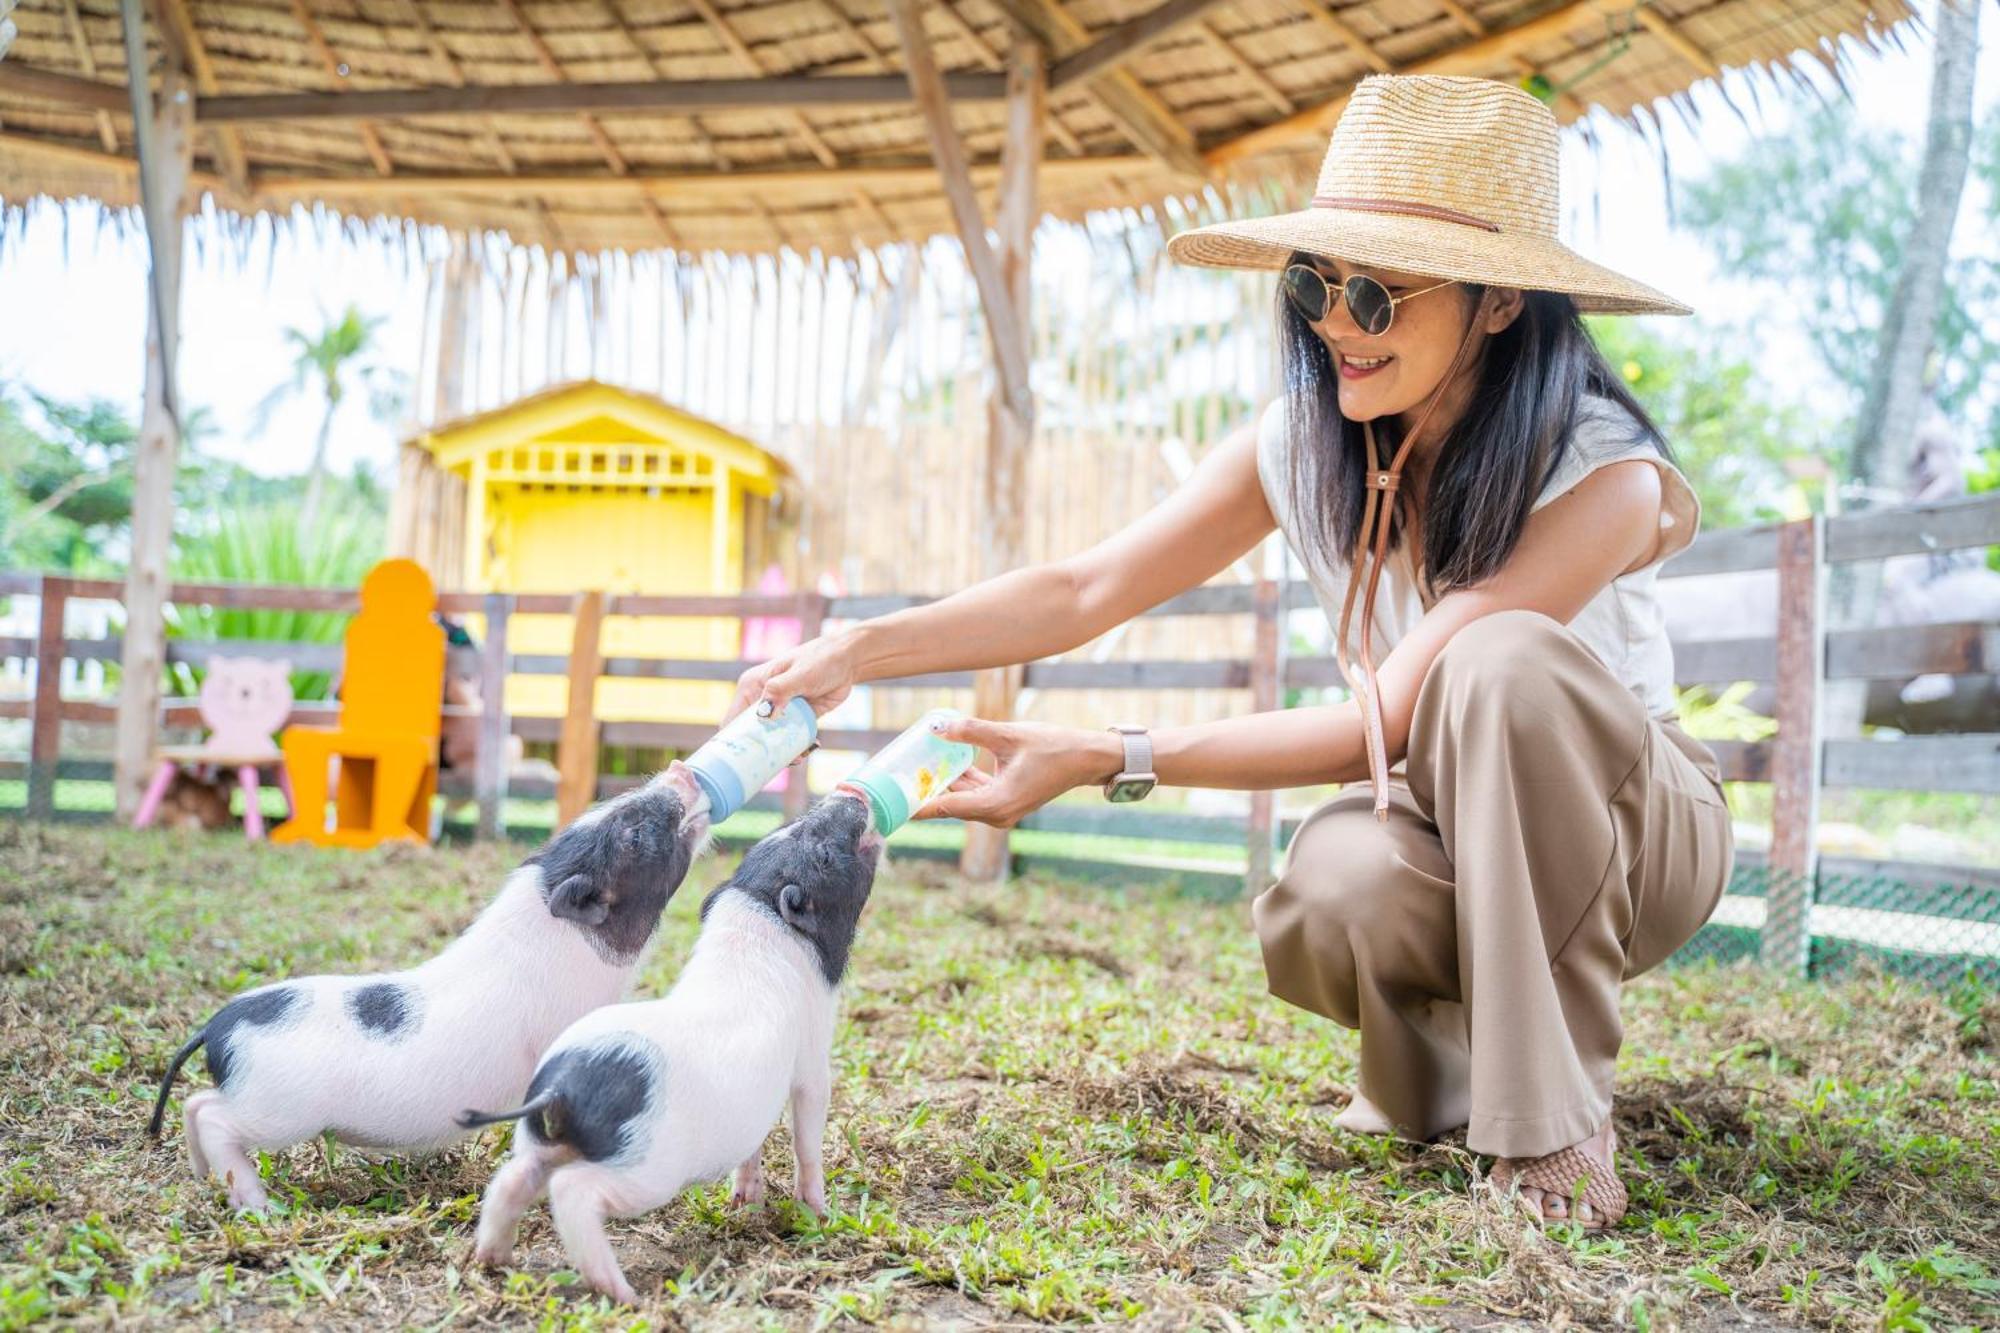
x=1377 y=521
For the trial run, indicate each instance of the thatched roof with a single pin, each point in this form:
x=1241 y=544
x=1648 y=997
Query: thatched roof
x=703 y=124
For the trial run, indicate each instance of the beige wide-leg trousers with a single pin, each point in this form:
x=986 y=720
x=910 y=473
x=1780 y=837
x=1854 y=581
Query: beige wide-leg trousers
x=1552 y=840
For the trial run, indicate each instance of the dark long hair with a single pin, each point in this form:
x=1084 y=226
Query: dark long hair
x=1531 y=382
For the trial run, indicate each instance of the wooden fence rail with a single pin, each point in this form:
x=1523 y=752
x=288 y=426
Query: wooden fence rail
x=1798 y=656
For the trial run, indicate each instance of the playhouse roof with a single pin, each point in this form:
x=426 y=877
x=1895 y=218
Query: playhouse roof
x=587 y=416
x=750 y=125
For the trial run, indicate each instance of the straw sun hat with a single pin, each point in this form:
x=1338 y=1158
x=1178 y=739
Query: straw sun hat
x=1439 y=177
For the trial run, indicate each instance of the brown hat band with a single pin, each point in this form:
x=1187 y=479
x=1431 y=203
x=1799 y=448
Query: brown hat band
x=1403 y=209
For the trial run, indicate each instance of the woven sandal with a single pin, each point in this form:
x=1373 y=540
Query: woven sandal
x=1558 y=1174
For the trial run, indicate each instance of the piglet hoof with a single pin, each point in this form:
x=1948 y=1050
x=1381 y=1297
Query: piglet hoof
x=749 y=1189
x=249 y=1198
x=613 y=1285
x=812 y=1195
x=492 y=1253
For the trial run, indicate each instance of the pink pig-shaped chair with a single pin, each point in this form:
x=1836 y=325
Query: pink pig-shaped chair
x=243 y=701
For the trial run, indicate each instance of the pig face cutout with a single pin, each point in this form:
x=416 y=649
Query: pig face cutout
x=244 y=700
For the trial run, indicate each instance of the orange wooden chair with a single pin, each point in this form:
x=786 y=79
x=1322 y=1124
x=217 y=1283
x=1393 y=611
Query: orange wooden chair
x=390 y=717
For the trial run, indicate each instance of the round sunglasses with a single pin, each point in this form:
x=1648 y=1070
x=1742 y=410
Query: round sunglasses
x=1369 y=303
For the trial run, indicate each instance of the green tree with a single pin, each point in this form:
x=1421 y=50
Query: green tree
x=1820 y=215
x=339 y=356
x=1737 y=447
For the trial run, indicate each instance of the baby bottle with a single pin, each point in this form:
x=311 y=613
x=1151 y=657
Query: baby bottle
x=740 y=760
x=910 y=770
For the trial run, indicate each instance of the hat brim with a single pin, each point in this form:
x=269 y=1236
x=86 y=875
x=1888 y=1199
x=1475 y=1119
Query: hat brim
x=1427 y=247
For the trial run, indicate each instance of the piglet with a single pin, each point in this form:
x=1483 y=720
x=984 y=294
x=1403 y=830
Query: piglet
x=389 y=1061
x=638 y=1101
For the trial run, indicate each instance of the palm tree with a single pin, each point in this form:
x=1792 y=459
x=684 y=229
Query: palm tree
x=340 y=354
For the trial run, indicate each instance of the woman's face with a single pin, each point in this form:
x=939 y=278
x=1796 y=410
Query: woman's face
x=1394 y=373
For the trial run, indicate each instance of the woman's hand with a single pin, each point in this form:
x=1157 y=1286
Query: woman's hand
x=1033 y=764
x=819 y=670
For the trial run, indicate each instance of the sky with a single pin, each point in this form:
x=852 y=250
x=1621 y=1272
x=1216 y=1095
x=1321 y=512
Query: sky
x=72 y=288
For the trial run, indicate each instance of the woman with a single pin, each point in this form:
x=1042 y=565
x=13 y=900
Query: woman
x=1474 y=494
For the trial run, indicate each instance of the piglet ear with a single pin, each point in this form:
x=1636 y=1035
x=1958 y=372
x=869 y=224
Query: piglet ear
x=794 y=907
x=579 y=899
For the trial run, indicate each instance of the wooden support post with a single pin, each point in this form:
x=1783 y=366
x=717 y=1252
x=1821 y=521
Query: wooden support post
x=1010 y=431
x=490 y=769
x=798 y=789
x=45 y=730
x=1004 y=323
x=163 y=129
x=1796 y=757
x=576 y=752
x=1265 y=669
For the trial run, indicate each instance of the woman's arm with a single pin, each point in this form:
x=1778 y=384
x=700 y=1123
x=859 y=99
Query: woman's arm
x=1569 y=551
x=1213 y=518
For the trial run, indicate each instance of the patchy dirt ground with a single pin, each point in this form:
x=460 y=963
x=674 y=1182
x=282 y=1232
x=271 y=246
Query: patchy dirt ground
x=1052 y=1104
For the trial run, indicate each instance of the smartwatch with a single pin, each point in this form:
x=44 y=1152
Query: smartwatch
x=1136 y=780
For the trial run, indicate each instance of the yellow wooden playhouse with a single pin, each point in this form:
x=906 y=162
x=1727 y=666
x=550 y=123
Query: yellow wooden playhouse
x=587 y=486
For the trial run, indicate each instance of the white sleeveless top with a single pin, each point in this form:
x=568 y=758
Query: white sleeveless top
x=1623 y=625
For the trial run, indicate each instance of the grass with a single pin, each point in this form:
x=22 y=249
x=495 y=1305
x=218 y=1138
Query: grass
x=1051 y=1104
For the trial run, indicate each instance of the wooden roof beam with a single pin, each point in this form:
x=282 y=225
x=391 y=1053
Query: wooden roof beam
x=73 y=22
x=775 y=92
x=553 y=67
x=228 y=143
x=1463 y=17
x=54 y=86
x=370 y=138
x=1653 y=21
x=990 y=57
x=1119 y=44
x=717 y=186
x=1341 y=31
x=1003 y=320
x=1146 y=120
x=815 y=143
x=1475 y=56
x=1247 y=68
x=454 y=74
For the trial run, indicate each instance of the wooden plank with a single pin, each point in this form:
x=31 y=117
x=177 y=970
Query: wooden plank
x=1006 y=329
x=1915 y=530
x=576 y=753
x=164 y=133
x=1895 y=652
x=1875 y=535
x=1116 y=45
x=1916 y=763
x=1265 y=665
x=798 y=786
x=490 y=767
x=50 y=85
x=45 y=728
x=1795 y=774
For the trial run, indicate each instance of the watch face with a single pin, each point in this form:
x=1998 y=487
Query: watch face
x=1129 y=789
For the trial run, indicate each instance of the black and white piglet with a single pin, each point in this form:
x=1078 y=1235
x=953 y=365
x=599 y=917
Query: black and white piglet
x=391 y=1060
x=637 y=1101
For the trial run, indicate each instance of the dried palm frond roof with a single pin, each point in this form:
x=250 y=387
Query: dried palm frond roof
x=746 y=125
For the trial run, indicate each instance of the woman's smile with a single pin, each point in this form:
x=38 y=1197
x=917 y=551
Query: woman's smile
x=1356 y=367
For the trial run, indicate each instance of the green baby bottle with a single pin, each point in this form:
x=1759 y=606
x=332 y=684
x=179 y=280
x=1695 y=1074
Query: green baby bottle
x=910 y=770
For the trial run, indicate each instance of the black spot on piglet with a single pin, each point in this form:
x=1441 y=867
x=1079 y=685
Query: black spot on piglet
x=263 y=1008
x=590 y=1095
x=385 y=1009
